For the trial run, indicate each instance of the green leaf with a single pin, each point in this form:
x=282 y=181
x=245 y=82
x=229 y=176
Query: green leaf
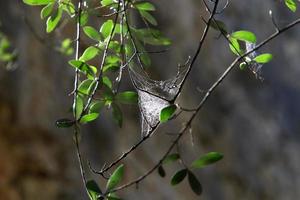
x=64 y=123
x=234 y=46
x=53 y=20
x=117 y=114
x=93 y=190
x=166 y=113
x=207 y=159
x=128 y=97
x=46 y=11
x=144 y=5
x=107 y=28
x=83 y=67
x=171 y=158
x=178 y=177
x=89 y=117
x=161 y=171
x=96 y=106
x=92 y=33
x=291 y=4
x=106 y=81
x=194 y=183
x=263 y=58
x=38 y=2
x=244 y=36
x=84 y=18
x=112 y=196
x=86 y=86
x=148 y=17
x=107 y=2
x=115 y=178
x=90 y=53
x=78 y=107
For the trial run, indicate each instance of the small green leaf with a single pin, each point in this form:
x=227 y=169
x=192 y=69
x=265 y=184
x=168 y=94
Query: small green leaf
x=151 y=36
x=107 y=28
x=171 y=158
x=78 y=107
x=244 y=36
x=53 y=20
x=112 y=196
x=144 y=5
x=161 y=171
x=96 y=106
x=207 y=159
x=64 y=123
x=291 y=4
x=106 y=81
x=128 y=97
x=147 y=16
x=107 y=2
x=84 y=18
x=263 y=58
x=166 y=113
x=92 y=33
x=89 y=117
x=90 y=53
x=38 y=2
x=46 y=11
x=83 y=67
x=194 y=183
x=117 y=114
x=86 y=86
x=178 y=177
x=93 y=190
x=115 y=178
x=234 y=46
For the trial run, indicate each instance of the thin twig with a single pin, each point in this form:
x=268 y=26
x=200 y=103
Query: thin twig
x=202 y=102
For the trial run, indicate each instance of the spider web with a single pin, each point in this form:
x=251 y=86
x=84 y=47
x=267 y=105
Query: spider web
x=155 y=95
x=254 y=67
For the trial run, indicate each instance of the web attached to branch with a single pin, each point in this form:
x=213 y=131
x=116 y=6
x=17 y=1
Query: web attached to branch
x=155 y=95
x=254 y=66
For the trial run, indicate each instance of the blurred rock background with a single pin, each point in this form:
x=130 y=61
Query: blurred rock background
x=255 y=124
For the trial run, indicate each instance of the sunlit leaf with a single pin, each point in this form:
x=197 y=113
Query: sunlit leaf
x=234 y=46
x=263 y=58
x=46 y=11
x=207 y=159
x=38 y=2
x=144 y=5
x=89 y=117
x=107 y=28
x=291 y=4
x=96 y=106
x=92 y=33
x=90 y=53
x=166 y=113
x=244 y=36
x=53 y=20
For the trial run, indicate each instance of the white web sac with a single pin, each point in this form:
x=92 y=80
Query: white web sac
x=155 y=95
x=254 y=66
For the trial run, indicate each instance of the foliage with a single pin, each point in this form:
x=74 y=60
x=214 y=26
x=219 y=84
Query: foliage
x=118 y=44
